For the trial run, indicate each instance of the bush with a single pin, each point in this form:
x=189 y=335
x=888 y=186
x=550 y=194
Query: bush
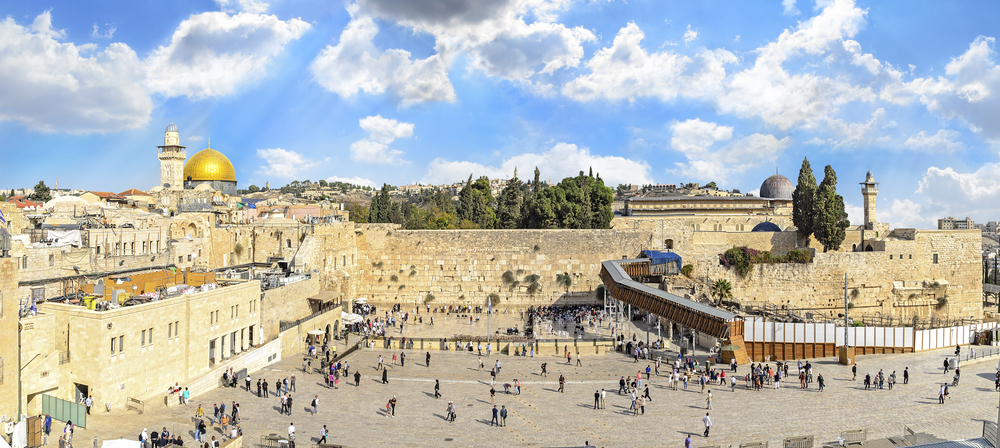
x=743 y=258
x=687 y=270
x=429 y=298
x=394 y=278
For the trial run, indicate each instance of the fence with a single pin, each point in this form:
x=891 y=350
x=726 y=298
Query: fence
x=990 y=433
x=285 y=325
x=64 y=411
x=781 y=340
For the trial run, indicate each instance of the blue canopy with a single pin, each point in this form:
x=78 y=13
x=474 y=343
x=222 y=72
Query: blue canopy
x=660 y=257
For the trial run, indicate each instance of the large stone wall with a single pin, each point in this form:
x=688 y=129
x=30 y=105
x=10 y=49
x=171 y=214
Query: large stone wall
x=903 y=280
x=464 y=266
x=8 y=334
x=286 y=303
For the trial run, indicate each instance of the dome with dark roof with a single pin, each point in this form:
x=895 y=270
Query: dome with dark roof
x=171 y=127
x=766 y=226
x=777 y=187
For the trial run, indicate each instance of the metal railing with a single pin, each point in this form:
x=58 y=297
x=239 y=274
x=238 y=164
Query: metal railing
x=64 y=357
x=798 y=442
x=859 y=436
x=990 y=433
x=285 y=325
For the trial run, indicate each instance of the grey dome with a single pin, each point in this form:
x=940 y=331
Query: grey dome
x=777 y=187
x=766 y=226
x=171 y=127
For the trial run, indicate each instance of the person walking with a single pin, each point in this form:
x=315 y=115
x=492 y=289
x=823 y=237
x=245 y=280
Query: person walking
x=385 y=376
x=503 y=415
x=708 y=423
x=322 y=435
x=357 y=378
x=708 y=400
x=545 y=373
x=562 y=383
x=597 y=399
x=437 y=389
x=450 y=412
x=578 y=363
x=854 y=371
x=480 y=359
x=315 y=404
x=379 y=367
x=604 y=395
x=642 y=405
x=646 y=394
x=496 y=416
x=822 y=384
x=493 y=395
x=941 y=395
x=427 y=360
x=292 y=383
x=621 y=385
x=392 y=405
x=906 y=375
x=868 y=381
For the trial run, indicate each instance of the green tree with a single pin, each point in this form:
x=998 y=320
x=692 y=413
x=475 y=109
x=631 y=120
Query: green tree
x=253 y=189
x=509 y=205
x=381 y=210
x=831 y=222
x=41 y=193
x=322 y=183
x=804 y=202
x=711 y=186
x=475 y=203
x=721 y=290
x=536 y=184
x=565 y=280
x=357 y=212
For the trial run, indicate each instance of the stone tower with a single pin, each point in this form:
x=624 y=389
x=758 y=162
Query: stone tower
x=869 y=190
x=172 y=159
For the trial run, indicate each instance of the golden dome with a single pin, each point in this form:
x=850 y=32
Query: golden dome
x=209 y=164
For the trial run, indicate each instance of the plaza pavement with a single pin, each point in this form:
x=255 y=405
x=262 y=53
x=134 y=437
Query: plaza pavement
x=541 y=416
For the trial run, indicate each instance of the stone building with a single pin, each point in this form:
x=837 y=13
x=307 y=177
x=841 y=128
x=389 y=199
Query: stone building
x=950 y=223
x=775 y=200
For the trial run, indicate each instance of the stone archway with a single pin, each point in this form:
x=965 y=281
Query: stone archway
x=868 y=248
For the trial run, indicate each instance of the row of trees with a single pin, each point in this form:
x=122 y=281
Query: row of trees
x=41 y=194
x=819 y=210
x=297 y=187
x=581 y=202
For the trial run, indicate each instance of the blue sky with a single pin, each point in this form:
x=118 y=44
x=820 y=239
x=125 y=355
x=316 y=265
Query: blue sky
x=402 y=91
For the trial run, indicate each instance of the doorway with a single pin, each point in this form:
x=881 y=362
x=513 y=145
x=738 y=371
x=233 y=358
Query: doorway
x=81 y=391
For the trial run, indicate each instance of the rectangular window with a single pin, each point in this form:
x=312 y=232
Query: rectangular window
x=142 y=341
x=177 y=328
x=150 y=336
x=911 y=256
x=890 y=256
x=121 y=343
x=900 y=256
x=935 y=259
x=170 y=330
x=52 y=260
x=113 y=343
x=180 y=259
x=237 y=311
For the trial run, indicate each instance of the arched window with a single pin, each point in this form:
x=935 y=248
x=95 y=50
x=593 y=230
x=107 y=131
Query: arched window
x=289 y=242
x=668 y=244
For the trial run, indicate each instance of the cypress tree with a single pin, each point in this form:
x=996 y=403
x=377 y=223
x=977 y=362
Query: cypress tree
x=830 y=217
x=804 y=201
x=509 y=205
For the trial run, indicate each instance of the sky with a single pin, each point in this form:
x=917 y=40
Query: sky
x=431 y=91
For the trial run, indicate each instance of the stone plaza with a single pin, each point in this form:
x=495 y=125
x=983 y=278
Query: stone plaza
x=541 y=416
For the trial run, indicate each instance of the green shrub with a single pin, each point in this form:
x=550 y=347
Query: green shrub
x=743 y=258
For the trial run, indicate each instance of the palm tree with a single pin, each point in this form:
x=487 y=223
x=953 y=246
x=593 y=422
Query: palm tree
x=564 y=279
x=721 y=290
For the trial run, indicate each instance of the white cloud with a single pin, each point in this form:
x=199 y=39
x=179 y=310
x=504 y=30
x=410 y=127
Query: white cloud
x=951 y=193
x=968 y=90
x=789 y=6
x=855 y=213
x=492 y=34
x=353 y=180
x=250 y=6
x=194 y=138
x=942 y=142
x=214 y=53
x=626 y=71
x=283 y=163
x=354 y=65
x=905 y=214
x=107 y=33
x=690 y=35
x=375 y=148
x=51 y=86
x=562 y=160
x=783 y=99
x=695 y=139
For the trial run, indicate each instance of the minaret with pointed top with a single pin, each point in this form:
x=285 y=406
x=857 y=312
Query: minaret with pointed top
x=515 y=172
x=172 y=159
x=869 y=190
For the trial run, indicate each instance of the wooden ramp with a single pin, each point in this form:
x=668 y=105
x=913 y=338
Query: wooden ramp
x=617 y=276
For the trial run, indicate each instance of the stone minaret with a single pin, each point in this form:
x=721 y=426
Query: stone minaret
x=172 y=159
x=869 y=190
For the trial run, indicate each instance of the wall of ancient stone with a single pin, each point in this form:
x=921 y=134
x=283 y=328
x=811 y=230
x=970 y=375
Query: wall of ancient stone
x=286 y=303
x=465 y=266
x=8 y=333
x=903 y=281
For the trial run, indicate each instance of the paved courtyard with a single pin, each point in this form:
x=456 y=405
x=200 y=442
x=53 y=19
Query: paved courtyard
x=541 y=416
